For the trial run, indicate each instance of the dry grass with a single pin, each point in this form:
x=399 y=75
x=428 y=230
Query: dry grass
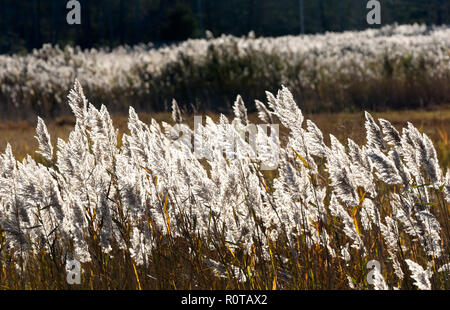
x=436 y=124
x=173 y=267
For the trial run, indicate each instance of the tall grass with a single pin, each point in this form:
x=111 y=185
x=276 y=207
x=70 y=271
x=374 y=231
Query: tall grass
x=394 y=67
x=144 y=212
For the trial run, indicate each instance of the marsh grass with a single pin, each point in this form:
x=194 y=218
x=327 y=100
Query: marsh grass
x=183 y=262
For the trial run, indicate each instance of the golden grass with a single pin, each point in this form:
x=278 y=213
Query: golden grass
x=436 y=124
x=173 y=266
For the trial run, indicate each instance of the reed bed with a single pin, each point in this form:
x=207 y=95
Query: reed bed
x=166 y=206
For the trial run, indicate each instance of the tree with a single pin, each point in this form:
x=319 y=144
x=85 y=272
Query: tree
x=34 y=22
x=179 y=24
x=301 y=16
x=200 y=17
x=37 y=23
x=137 y=21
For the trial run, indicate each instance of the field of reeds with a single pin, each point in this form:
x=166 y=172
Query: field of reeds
x=160 y=204
x=395 y=67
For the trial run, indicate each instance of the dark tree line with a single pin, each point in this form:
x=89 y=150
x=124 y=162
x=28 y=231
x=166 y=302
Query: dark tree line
x=27 y=24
